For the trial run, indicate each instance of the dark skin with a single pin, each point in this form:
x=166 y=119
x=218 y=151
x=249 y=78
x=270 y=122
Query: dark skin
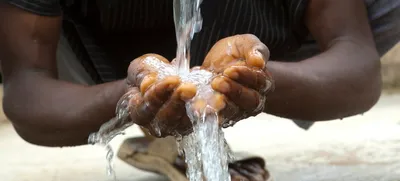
x=57 y=113
x=342 y=81
x=241 y=80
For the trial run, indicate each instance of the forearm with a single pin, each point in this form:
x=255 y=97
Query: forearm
x=57 y=113
x=317 y=89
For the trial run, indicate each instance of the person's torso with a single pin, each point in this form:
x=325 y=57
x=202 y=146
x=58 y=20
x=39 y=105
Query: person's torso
x=125 y=29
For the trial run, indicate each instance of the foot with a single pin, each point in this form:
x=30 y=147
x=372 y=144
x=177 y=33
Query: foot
x=138 y=153
x=248 y=170
x=252 y=169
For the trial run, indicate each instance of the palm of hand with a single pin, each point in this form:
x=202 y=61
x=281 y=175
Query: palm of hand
x=240 y=81
x=240 y=65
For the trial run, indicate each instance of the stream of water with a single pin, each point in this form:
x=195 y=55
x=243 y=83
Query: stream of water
x=205 y=149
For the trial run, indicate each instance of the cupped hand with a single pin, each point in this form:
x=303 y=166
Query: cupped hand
x=157 y=100
x=242 y=77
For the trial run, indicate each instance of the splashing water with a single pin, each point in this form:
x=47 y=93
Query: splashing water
x=111 y=129
x=205 y=149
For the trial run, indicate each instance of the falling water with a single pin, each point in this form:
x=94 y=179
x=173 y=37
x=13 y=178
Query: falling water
x=111 y=129
x=188 y=21
x=205 y=149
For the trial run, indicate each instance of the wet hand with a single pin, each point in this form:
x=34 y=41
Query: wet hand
x=240 y=65
x=158 y=104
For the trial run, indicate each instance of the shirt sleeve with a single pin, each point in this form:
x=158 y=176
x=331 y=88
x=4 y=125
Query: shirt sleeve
x=39 y=7
x=296 y=10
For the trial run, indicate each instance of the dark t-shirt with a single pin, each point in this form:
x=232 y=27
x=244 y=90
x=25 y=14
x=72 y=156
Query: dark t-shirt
x=41 y=7
x=124 y=29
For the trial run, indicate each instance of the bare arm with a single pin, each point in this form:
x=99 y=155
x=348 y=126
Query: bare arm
x=342 y=81
x=44 y=110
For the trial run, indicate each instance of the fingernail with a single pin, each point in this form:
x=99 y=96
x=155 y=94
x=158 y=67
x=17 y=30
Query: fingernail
x=256 y=59
x=147 y=82
x=219 y=101
x=231 y=73
x=187 y=91
x=186 y=96
x=199 y=105
x=172 y=82
x=220 y=85
x=257 y=53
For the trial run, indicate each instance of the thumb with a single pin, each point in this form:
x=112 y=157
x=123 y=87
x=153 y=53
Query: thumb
x=142 y=66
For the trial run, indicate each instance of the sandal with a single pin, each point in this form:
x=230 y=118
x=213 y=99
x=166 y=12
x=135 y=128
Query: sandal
x=161 y=156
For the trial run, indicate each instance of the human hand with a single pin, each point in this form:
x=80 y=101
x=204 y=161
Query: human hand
x=157 y=100
x=240 y=65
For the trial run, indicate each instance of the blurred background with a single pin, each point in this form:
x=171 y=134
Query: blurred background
x=364 y=147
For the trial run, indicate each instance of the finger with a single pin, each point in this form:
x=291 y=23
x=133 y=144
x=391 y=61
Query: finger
x=198 y=105
x=124 y=102
x=247 y=99
x=255 y=57
x=154 y=98
x=170 y=114
x=174 y=110
x=254 y=51
x=223 y=54
x=142 y=66
x=254 y=79
x=186 y=91
x=217 y=101
x=136 y=100
x=213 y=106
x=220 y=104
x=158 y=94
x=147 y=82
x=185 y=126
x=161 y=91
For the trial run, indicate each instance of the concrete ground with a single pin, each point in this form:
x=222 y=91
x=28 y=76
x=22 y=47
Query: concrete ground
x=363 y=148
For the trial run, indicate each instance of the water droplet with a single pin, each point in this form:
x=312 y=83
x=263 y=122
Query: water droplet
x=157 y=130
x=110 y=130
x=178 y=137
x=93 y=139
x=109 y=158
x=229 y=49
x=179 y=145
x=229 y=123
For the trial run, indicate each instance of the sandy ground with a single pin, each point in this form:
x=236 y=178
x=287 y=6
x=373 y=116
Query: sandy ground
x=363 y=148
